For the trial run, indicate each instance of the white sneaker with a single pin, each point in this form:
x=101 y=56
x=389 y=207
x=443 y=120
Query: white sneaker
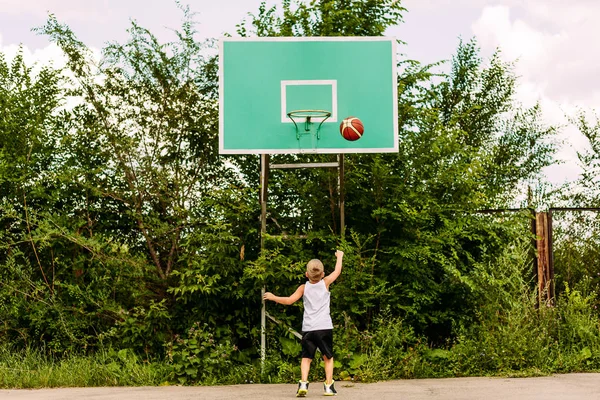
x=329 y=389
x=302 y=389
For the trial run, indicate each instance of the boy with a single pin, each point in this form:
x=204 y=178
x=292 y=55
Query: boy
x=317 y=328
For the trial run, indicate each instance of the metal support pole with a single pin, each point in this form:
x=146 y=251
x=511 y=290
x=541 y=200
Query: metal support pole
x=550 y=260
x=341 y=194
x=264 y=175
x=534 y=247
x=544 y=273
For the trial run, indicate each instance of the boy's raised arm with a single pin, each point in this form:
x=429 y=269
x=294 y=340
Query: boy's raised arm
x=329 y=279
x=285 y=300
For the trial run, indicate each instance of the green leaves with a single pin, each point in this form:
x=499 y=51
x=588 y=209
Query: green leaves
x=325 y=18
x=200 y=355
x=290 y=347
x=154 y=123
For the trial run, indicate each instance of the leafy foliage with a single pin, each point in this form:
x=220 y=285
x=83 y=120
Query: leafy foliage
x=123 y=228
x=200 y=356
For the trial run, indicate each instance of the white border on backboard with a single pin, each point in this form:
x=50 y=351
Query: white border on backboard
x=394 y=77
x=284 y=84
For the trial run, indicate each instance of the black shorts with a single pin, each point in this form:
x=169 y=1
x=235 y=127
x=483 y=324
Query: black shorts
x=313 y=340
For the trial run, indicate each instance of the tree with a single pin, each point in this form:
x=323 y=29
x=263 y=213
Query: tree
x=30 y=106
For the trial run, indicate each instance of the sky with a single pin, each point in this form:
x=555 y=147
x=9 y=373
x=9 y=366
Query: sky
x=551 y=41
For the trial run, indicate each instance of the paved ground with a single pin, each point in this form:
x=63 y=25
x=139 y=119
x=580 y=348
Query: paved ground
x=558 y=387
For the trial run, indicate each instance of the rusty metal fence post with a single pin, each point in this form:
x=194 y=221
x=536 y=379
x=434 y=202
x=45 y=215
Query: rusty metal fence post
x=544 y=266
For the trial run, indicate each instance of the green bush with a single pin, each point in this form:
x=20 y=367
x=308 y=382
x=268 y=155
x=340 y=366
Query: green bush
x=515 y=336
x=200 y=356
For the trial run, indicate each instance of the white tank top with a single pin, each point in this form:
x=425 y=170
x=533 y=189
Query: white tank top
x=316 y=307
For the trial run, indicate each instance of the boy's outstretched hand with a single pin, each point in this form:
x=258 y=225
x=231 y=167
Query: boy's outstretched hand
x=268 y=296
x=329 y=279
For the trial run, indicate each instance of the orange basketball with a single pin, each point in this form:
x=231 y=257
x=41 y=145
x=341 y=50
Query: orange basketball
x=352 y=128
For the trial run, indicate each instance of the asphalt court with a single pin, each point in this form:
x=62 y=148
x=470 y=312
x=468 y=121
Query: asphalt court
x=557 y=387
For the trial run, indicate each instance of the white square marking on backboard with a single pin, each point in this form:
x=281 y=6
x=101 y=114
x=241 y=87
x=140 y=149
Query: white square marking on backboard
x=331 y=82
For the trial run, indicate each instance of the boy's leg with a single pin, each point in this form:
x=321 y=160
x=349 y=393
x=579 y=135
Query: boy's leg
x=328 y=369
x=305 y=368
x=328 y=387
x=303 y=384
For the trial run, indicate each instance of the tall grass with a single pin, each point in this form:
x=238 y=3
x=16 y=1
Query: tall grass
x=26 y=369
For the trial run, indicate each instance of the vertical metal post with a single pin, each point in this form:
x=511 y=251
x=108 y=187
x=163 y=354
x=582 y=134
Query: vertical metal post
x=264 y=174
x=534 y=244
x=550 y=260
x=341 y=194
x=544 y=273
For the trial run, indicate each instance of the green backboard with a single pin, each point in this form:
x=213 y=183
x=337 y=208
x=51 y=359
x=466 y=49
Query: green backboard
x=263 y=79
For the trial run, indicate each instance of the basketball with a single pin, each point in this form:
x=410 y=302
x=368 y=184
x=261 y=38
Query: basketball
x=352 y=128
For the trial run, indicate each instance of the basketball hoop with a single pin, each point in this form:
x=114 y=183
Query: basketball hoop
x=311 y=116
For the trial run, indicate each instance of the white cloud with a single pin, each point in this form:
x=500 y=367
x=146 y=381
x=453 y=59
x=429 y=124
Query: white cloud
x=517 y=40
x=50 y=55
x=555 y=63
x=551 y=39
